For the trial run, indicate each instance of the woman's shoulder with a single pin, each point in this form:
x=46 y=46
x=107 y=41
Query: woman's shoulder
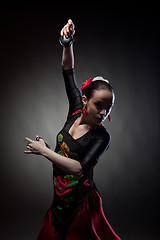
x=102 y=133
x=101 y=138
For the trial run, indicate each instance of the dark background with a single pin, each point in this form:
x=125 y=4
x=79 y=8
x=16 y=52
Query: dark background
x=119 y=42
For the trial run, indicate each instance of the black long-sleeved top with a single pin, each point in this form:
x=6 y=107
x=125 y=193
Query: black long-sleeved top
x=70 y=191
x=95 y=141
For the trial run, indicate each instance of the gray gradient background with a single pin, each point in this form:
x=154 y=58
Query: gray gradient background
x=119 y=42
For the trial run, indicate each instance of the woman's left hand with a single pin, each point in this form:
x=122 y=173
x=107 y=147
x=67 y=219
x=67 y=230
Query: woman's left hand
x=35 y=147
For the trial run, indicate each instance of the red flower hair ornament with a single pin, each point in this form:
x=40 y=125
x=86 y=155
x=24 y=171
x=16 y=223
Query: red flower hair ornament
x=85 y=85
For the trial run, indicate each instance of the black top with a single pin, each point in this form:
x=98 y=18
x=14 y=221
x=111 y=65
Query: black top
x=93 y=143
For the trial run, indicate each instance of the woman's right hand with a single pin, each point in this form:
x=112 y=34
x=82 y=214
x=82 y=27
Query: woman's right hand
x=68 y=29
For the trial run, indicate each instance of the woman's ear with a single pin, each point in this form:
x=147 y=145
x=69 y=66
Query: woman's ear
x=84 y=100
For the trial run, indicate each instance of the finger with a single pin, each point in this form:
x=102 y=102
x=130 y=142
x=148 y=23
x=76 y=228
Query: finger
x=28 y=147
x=41 y=140
x=62 y=31
x=28 y=140
x=67 y=28
x=29 y=144
x=65 y=32
x=70 y=21
x=72 y=31
x=27 y=152
x=71 y=25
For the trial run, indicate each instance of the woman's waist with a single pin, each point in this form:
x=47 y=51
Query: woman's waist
x=69 y=191
x=66 y=184
x=70 y=181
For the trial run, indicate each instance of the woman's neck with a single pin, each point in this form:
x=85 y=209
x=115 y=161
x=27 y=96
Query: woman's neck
x=84 y=120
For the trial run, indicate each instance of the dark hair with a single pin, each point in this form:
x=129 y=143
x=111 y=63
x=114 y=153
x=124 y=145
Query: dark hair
x=97 y=85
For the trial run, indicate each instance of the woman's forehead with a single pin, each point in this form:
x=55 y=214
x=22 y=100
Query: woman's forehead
x=102 y=95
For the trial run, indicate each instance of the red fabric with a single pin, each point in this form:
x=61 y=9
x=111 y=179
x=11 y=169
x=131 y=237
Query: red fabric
x=87 y=224
x=85 y=84
x=47 y=231
x=109 y=117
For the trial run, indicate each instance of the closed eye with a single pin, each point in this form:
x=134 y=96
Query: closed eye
x=98 y=105
x=101 y=106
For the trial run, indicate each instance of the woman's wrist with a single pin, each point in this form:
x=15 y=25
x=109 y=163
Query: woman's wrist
x=44 y=151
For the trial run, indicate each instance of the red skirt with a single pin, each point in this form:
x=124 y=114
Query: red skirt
x=87 y=224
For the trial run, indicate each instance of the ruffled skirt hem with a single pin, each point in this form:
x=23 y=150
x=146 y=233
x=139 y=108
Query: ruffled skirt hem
x=89 y=223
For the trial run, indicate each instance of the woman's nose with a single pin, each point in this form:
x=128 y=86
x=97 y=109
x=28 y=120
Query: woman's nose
x=103 y=112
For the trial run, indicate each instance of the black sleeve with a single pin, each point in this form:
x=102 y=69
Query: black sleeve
x=91 y=156
x=72 y=90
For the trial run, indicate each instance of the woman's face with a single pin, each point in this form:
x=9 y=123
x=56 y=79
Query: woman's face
x=99 y=105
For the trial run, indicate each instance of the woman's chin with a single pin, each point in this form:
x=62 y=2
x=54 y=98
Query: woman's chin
x=98 y=120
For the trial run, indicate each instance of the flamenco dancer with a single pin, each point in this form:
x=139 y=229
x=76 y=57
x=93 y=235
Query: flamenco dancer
x=76 y=212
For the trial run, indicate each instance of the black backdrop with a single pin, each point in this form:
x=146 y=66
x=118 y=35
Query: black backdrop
x=119 y=42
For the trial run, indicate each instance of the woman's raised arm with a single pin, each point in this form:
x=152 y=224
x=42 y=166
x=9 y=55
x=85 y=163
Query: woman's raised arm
x=68 y=55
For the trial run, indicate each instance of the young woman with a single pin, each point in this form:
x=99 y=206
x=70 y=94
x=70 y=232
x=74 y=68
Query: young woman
x=76 y=212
